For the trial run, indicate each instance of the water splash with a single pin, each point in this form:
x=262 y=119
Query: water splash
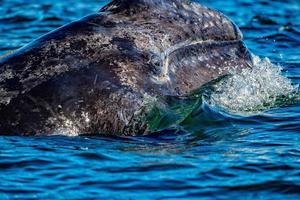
x=254 y=90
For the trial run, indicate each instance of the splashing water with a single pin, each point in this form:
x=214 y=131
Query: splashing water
x=248 y=92
x=254 y=90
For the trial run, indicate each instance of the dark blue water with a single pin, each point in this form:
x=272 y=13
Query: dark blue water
x=215 y=155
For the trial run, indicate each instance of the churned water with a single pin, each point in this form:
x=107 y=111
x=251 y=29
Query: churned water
x=241 y=140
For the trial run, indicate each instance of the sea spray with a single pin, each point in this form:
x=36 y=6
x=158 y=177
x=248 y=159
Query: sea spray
x=247 y=92
x=254 y=89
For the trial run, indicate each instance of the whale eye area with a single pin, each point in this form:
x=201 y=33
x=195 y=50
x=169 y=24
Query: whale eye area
x=155 y=63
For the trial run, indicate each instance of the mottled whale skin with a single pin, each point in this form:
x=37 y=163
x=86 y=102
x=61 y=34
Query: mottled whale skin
x=97 y=75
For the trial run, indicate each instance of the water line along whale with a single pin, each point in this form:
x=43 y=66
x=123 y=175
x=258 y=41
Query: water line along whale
x=98 y=74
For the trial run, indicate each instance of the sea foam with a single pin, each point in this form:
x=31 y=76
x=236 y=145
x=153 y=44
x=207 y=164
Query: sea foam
x=254 y=89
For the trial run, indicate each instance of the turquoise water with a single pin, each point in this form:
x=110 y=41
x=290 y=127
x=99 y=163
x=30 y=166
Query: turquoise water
x=238 y=143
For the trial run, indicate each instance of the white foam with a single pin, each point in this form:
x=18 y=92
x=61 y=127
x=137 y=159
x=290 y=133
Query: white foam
x=253 y=90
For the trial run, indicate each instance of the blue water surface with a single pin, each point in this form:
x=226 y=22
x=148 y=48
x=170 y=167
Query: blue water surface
x=224 y=157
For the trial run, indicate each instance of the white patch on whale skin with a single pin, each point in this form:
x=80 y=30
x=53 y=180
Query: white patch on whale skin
x=86 y=117
x=5 y=94
x=206 y=14
x=66 y=128
x=206 y=25
x=123 y=116
x=201 y=58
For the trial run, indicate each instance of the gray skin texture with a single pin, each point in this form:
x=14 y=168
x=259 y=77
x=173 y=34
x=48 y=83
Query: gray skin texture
x=99 y=75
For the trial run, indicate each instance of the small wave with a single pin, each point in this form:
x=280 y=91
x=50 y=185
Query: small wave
x=254 y=90
x=263 y=20
x=281 y=37
x=52 y=19
x=17 y=19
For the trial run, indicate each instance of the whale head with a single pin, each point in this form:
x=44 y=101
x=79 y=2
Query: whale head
x=96 y=75
x=183 y=44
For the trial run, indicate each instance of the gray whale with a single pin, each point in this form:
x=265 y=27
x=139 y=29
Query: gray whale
x=99 y=75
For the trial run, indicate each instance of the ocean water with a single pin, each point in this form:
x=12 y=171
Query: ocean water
x=242 y=140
